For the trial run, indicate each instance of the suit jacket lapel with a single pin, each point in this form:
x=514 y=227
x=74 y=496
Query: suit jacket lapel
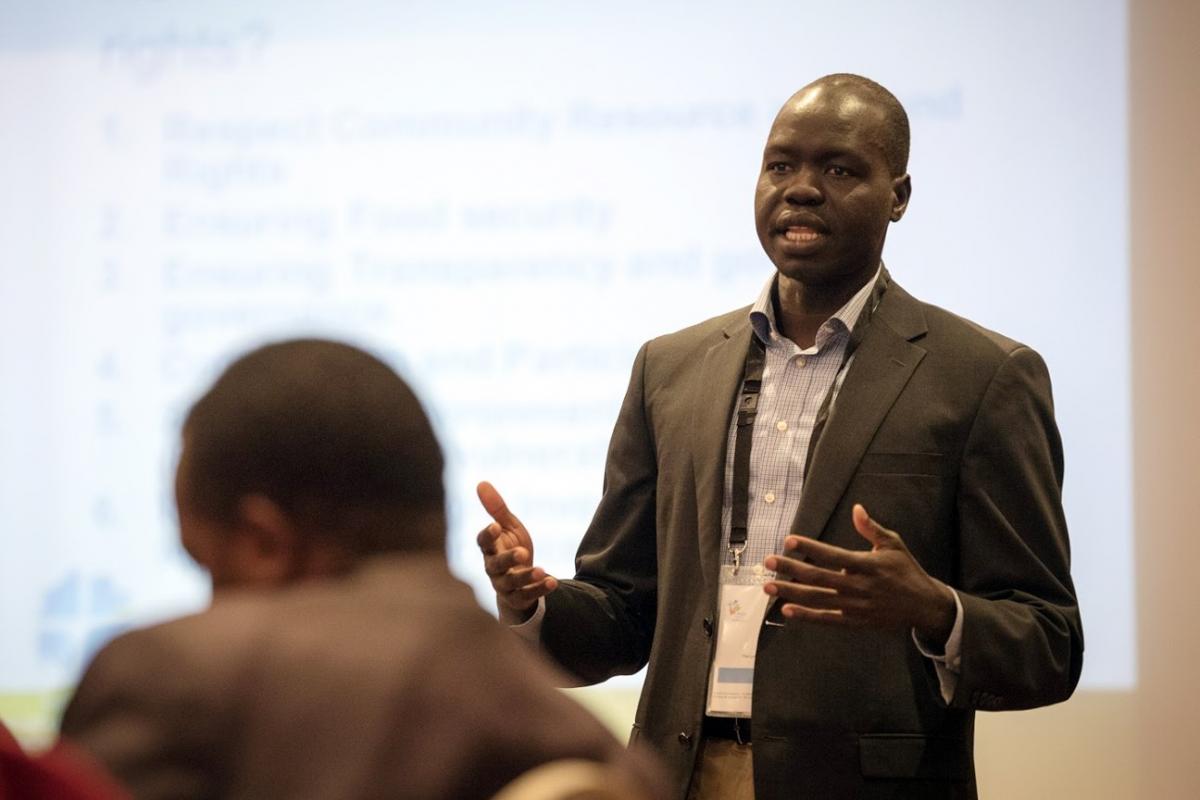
x=881 y=367
x=717 y=387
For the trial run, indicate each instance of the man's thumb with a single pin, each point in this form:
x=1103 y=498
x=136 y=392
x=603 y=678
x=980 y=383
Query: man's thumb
x=868 y=528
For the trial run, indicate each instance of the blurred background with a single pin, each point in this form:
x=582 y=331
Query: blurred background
x=504 y=200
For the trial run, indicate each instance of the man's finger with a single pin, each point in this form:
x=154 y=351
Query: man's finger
x=487 y=539
x=494 y=505
x=822 y=616
x=516 y=579
x=805 y=595
x=804 y=572
x=819 y=615
x=502 y=562
x=826 y=555
x=530 y=593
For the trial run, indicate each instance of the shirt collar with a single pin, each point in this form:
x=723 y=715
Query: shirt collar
x=762 y=313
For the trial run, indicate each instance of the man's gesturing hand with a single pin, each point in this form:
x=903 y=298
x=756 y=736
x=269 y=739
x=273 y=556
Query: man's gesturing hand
x=508 y=559
x=884 y=587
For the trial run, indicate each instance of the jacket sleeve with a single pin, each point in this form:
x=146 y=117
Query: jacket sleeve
x=1022 y=639
x=601 y=623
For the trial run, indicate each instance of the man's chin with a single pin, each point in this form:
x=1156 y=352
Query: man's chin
x=820 y=274
x=809 y=272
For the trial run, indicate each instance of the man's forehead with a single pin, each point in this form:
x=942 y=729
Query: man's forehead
x=840 y=109
x=842 y=102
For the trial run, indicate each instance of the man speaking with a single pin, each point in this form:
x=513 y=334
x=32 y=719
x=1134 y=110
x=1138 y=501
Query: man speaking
x=831 y=521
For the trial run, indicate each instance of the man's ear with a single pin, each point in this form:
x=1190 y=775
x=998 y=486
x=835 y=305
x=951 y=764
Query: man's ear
x=901 y=192
x=266 y=543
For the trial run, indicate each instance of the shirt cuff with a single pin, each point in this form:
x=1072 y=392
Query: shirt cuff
x=531 y=629
x=946 y=663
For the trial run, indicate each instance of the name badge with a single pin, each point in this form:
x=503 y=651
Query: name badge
x=743 y=607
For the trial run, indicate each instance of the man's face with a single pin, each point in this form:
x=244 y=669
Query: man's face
x=826 y=193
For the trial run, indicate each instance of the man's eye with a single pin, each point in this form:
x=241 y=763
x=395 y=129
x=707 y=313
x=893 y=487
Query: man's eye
x=838 y=171
x=777 y=167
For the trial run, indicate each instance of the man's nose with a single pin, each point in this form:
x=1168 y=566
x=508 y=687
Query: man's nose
x=804 y=189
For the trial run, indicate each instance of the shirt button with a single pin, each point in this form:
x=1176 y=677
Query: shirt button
x=781 y=425
x=684 y=739
x=801 y=361
x=769 y=497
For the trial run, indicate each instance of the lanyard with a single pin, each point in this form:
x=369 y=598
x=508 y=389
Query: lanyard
x=752 y=376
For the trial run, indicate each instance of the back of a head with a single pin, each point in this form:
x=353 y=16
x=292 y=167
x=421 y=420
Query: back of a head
x=329 y=433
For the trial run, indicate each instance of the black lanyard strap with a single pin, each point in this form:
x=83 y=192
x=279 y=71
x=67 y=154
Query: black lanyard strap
x=752 y=377
x=752 y=374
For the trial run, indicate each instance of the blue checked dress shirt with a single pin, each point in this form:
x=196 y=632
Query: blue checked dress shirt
x=794 y=385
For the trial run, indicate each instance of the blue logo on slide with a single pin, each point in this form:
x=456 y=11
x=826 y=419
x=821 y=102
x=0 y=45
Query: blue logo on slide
x=79 y=615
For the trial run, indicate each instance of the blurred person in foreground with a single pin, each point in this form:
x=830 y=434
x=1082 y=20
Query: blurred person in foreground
x=832 y=521
x=339 y=658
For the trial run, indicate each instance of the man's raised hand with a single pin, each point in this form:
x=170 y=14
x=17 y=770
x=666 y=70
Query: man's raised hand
x=882 y=587
x=508 y=560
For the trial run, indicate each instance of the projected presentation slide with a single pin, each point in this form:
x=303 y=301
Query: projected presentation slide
x=504 y=201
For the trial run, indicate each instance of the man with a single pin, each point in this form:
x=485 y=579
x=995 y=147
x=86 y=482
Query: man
x=339 y=658
x=831 y=522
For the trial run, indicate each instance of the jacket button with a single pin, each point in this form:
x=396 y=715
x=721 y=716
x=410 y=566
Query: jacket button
x=684 y=739
x=708 y=628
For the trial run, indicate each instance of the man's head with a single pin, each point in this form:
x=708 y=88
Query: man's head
x=304 y=457
x=833 y=177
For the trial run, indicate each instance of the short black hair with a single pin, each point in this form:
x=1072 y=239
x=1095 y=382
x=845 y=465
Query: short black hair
x=329 y=433
x=896 y=133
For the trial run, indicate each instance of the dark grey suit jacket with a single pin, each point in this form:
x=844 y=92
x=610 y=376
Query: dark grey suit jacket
x=945 y=432
x=388 y=683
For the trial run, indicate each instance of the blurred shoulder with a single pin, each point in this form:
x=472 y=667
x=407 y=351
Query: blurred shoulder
x=171 y=664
